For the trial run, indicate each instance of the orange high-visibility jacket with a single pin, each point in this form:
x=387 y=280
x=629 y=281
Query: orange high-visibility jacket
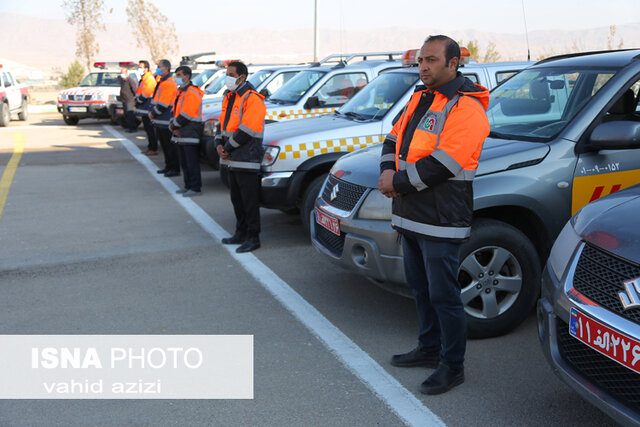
x=144 y=93
x=436 y=165
x=163 y=99
x=242 y=123
x=187 y=115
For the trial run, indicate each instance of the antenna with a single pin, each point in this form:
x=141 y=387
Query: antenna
x=315 y=31
x=526 y=32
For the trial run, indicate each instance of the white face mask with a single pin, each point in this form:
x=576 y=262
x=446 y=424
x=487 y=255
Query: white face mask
x=231 y=83
x=123 y=75
x=141 y=71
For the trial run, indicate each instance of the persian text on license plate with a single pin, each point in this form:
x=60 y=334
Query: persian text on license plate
x=616 y=346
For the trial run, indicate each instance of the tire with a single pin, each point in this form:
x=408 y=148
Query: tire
x=24 y=111
x=5 y=116
x=499 y=276
x=70 y=120
x=309 y=200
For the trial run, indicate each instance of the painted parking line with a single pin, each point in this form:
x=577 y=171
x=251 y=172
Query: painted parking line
x=402 y=402
x=10 y=169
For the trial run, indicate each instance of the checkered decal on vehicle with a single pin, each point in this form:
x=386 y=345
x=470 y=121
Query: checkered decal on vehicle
x=311 y=149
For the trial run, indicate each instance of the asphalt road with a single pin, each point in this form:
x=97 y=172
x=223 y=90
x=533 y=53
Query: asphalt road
x=92 y=243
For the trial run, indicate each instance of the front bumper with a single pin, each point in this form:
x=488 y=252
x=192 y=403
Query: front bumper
x=367 y=247
x=88 y=110
x=598 y=379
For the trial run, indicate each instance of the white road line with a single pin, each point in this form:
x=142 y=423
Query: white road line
x=386 y=387
x=36 y=127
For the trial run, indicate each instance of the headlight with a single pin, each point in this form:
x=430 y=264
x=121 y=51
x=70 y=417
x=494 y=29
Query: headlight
x=112 y=98
x=375 y=206
x=62 y=97
x=270 y=155
x=99 y=97
x=563 y=249
x=211 y=127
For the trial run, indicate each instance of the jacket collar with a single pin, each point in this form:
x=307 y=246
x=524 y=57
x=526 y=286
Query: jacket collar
x=450 y=89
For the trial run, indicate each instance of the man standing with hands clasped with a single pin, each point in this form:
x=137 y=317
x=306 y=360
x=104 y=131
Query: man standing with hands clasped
x=160 y=115
x=427 y=166
x=240 y=149
x=186 y=127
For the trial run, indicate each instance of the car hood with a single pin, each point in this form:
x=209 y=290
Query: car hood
x=318 y=128
x=362 y=167
x=612 y=223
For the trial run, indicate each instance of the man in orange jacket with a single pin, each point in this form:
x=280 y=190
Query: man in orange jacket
x=144 y=94
x=186 y=126
x=427 y=166
x=240 y=149
x=160 y=115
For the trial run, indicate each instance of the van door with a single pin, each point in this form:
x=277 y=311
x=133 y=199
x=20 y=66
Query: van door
x=12 y=90
x=604 y=172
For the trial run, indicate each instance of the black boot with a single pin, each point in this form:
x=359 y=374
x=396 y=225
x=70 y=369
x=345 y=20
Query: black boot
x=237 y=238
x=250 y=244
x=417 y=357
x=442 y=380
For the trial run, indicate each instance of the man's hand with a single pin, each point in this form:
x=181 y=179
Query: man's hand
x=151 y=116
x=222 y=153
x=385 y=184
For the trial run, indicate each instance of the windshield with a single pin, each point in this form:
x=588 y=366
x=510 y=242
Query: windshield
x=258 y=77
x=537 y=104
x=217 y=85
x=295 y=88
x=101 y=79
x=374 y=100
x=203 y=77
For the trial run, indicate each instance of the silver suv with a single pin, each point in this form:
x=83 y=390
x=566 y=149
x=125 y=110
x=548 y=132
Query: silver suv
x=551 y=151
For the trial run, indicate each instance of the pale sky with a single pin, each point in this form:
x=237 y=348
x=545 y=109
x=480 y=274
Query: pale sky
x=503 y=16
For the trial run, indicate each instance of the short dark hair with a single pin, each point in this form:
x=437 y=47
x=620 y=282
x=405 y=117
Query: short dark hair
x=184 y=70
x=144 y=63
x=451 y=50
x=241 y=69
x=164 y=63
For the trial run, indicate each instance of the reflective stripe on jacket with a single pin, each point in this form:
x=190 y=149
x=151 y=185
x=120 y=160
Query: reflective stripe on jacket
x=163 y=99
x=242 y=124
x=187 y=115
x=436 y=167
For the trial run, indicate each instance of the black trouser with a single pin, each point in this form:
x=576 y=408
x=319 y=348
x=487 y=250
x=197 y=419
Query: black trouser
x=431 y=269
x=245 y=196
x=169 y=149
x=129 y=115
x=151 y=133
x=190 y=166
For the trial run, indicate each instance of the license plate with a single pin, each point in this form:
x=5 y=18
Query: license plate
x=330 y=223
x=119 y=111
x=77 y=109
x=616 y=346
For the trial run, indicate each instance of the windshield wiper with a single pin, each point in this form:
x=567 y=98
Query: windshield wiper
x=354 y=115
x=500 y=135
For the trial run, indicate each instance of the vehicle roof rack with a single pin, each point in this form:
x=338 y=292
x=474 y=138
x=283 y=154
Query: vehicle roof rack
x=343 y=59
x=191 y=59
x=576 y=54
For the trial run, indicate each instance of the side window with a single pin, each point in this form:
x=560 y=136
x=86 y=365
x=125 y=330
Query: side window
x=626 y=106
x=473 y=77
x=7 y=80
x=340 y=88
x=501 y=76
x=279 y=81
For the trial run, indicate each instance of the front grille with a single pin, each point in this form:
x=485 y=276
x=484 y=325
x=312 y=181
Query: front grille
x=600 y=276
x=87 y=97
x=331 y=241
x=615 y=379
x=72 y=97
x=346 y=197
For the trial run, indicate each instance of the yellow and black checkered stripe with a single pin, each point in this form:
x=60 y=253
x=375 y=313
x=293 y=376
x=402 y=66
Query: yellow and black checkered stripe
x=297 y=114
x=311 y=149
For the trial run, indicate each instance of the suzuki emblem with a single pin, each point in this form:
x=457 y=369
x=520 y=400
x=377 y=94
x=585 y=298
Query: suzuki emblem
x=631 y=296
x=334 y=192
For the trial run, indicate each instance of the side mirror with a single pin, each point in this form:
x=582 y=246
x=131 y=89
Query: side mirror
x=265 y=92
x=618 y=135
x=312 y=102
